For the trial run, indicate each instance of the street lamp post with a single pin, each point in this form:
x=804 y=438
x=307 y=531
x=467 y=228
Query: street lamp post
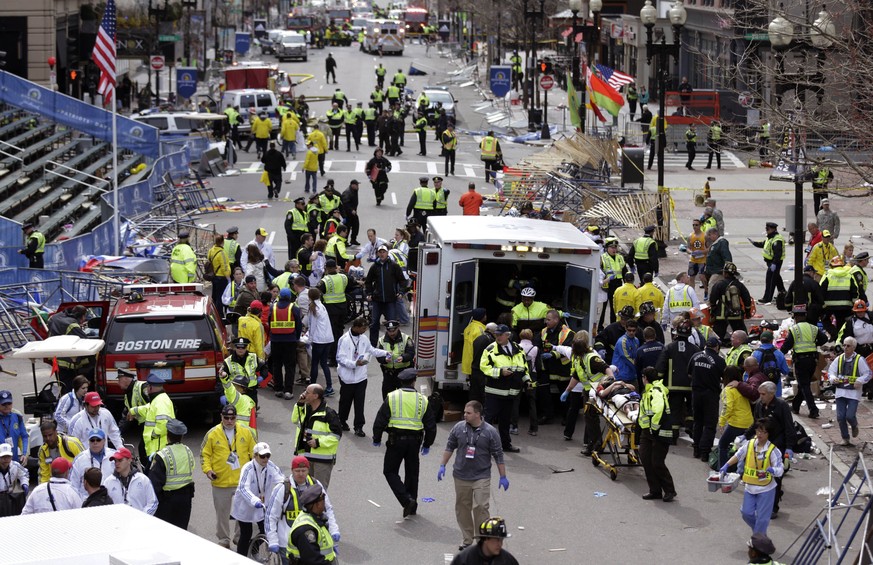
x=782 y=37
x=160 y=14
x=188 y=4
x=579 y=81
x=648 y=15
x=531 y=17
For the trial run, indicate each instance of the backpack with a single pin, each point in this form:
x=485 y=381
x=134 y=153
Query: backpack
x=734 y=301
x=802 y=441
x=769 y=366
x=208 y=267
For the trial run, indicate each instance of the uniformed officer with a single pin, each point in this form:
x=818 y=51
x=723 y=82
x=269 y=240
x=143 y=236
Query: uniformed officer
x=441 y=197
x=505 y=367
x=242 y=362
x=370 y=114
x=350 y=118
x=450 y=144
x=154 y=415
x=296 y=224
x=774 y=255
x=715 y=142
x=655 y=437
x=310 y=541
x=183 y=261
x=34 y=248
x=232 y=248
x=491 y=154
x=420 y=127
x=335 y=123
x=421 y=203
x=380 y=78
x=690 y=145
x=644 y=255
x=135 y=394
x=233 y=120
x=411 y=426
x=399 y=79
x=529 y=313
x=804 y=338
x=402 y=350
x=172 y=476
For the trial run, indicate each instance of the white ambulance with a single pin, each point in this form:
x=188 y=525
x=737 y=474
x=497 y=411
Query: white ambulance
x=469 y=261
x=389 y=32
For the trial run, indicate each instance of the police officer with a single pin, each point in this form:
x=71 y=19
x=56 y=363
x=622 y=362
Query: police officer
x=840 y=291
x=370 y=114
x=233 y=120
x=243 y=362
x=706 y=368
x=339 y=97
x=296 y=225
x=154 y=416
x=450 y=144
x=420 y=127
x=655 y=436
x=34 y=247
x=183 y=261
x=690 y=144
x=774 y=255
x=441 y=197
x=421 y=203
x=401 y=349
x=613 y=266
x=350 y=118
x=335 y=123
x=334 y=288
x=529 y=313
x=715 y=141
x=491 y=154
x=380 y=77
x=411 y=426
x=644 y=255
x=135 y=394
x=822 y=175
x=172 y=476
x=232 y=248
x=804 y=338
x=310 y=541
x=399 y=79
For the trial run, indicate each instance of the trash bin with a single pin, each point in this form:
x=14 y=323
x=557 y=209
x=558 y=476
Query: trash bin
x=632 y=166
x=535 y=117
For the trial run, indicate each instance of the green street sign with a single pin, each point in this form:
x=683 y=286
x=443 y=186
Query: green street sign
x=170 y=38
x=757 y=37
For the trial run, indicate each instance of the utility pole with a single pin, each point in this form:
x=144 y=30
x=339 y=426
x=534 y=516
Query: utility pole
x=160 y=15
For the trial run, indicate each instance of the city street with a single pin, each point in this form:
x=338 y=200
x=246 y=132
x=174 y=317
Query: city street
x=556 y=517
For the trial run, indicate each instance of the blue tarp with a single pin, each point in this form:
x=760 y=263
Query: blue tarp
x=135 y=136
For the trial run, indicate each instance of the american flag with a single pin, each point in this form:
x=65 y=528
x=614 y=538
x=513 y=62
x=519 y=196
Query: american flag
x=104 y=53
x=616 y=79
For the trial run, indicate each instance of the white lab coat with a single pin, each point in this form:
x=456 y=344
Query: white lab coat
x=68 y=406
x=348 y=350
x=140 y=493
x=84 y=461
x=277 y=527
x=82 y=424
x=256 y=482
x=63 y=493
x=318 y=324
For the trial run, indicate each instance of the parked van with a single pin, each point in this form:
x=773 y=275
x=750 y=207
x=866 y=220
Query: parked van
x=467 y=262
x=251 y=102
x=291 y=45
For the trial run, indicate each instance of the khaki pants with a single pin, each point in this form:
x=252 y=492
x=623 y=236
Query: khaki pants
x=303 y=361
x=712 y=280
x=222 y=498
x=471 y=506
x=321 y=471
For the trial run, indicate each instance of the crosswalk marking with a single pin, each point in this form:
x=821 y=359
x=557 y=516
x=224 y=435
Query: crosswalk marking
x=358 y=166
x=728 y=160
x=431 y=168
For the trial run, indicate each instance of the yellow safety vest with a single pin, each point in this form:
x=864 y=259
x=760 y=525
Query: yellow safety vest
x=407 y=408
x=489 y=148
x=641 y=248
x=291 y=515
x=40 y=241
x=183 y=264
x=681 y=303
x=611 y=266
x=733 y=356
x=283 y=326
x=452 y=143
x=334 y=288
x=325 y=541
x=751 y=468
x=853 y=376
x=230 y=247
x=425 y=198
x=581 y=369
x=804 y=335
x=768 y=247
x=839 y=291
x=396 y=349
x=179 y=464
x=440 y=200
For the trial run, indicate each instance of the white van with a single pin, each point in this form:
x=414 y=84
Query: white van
x=391 y=33
x=467 y=261
x=292 y=45
x=251 y=102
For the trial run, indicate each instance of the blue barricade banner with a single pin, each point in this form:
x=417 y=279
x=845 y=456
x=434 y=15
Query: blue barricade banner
x=243 y=42
x=186 y=81
x=132 y=135
x=501 y=79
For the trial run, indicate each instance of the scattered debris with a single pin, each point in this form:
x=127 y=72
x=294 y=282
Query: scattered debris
x=373 y=503
x=557 y=470
x=428 y=499
x=599 y=494
x=825 y=491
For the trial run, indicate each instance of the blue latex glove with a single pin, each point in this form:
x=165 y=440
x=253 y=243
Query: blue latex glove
x=259 y=504
x=564 y=396
x=724 y=468
x=26 y=489
x=547 y=356
x=260 y=380
x=773 y=267
x=441 y=473
x=223 y=400
x=425 y=450
x=565 y=315
x=336 y=537
x=504 y=484
x=789 y=453
x=274 y=548
x=771 y=470
x=377 y=444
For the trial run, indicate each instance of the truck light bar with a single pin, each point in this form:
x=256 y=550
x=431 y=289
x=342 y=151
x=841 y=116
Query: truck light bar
x=162 y=288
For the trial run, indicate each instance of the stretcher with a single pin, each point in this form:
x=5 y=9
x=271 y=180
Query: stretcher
x=618 y=436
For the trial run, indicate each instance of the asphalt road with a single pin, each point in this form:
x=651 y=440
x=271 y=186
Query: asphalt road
x=555 y=518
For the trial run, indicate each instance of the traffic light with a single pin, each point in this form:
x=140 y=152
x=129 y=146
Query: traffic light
x=74 y=75
x=2 y=59
x=72 y=50
x=543 y=67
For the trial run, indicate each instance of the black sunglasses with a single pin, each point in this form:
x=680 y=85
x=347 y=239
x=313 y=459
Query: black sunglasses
x=95 y=439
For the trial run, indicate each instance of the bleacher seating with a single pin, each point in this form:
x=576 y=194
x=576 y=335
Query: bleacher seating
x=33 y=185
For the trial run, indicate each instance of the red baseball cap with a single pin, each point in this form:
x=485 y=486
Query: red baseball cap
x=93 y=399
x=256 y=305
x=61 y=465
x=299 y=462
x=123 y=453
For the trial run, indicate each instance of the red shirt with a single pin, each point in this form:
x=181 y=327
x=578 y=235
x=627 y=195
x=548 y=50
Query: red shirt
x=471 y=201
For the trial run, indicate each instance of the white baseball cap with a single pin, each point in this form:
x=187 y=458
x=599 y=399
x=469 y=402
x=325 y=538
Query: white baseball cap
x=262 y=448
x=5 y=450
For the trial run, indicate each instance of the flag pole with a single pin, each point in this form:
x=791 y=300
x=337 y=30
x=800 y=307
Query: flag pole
x=116 y=221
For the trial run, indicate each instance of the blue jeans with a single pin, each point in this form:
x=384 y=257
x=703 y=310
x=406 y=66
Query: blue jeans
x=756 y=510
x=313 y=176
x=320 y=353
x=377 y=310
x=724 y=444
x=289 y=148
x=846 y=409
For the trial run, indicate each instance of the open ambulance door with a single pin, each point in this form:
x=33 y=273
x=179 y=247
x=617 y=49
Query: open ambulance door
x=580 y=297
x=460 y=299
x=428 y=295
